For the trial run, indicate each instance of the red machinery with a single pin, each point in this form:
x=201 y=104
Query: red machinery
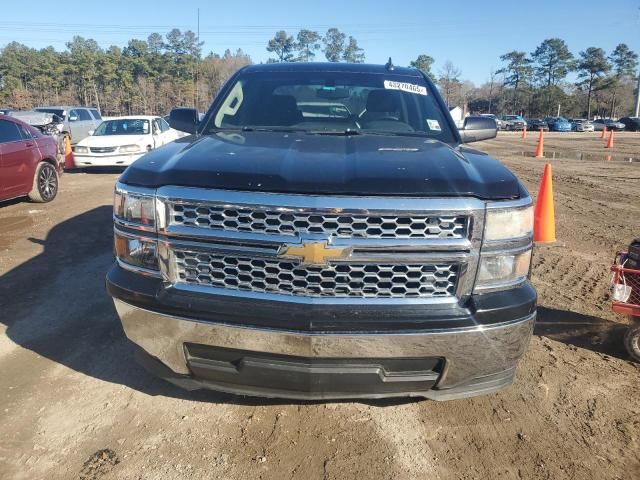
x=626 y=296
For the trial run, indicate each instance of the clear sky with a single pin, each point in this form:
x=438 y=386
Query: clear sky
x=472 y=34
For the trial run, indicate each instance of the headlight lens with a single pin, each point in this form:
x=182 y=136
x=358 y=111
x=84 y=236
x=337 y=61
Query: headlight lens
x=130 y=148
x=136 y=251
x=134 y=207
x=134 y=210
x=503 y=269
x=80 y=149
x=508 y=224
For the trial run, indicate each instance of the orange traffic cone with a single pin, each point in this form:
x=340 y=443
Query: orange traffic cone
x=524 y=132
x=604 y=132
x=540 y=145
x=68 y=154
x=544 y=222
x=610 y=141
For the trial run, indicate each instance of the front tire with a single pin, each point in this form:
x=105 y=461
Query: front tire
x=45 y=183
x=632 y=342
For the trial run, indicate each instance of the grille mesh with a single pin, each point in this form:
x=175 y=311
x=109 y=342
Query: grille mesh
x=259 y=220
x=336 y=280
x=102 y=149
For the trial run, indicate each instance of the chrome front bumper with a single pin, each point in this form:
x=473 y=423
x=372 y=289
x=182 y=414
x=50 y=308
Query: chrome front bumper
x=105 y=160
x=477 y=360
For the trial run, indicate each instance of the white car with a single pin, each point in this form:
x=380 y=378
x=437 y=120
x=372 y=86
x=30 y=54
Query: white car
x=121 y=141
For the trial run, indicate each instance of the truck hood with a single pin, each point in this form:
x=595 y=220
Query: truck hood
x=299 y=163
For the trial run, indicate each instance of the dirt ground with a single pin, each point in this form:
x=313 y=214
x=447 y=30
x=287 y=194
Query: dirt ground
x=74 y=405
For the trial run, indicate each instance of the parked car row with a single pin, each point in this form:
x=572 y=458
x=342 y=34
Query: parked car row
x=32 y=145
x=562 y=124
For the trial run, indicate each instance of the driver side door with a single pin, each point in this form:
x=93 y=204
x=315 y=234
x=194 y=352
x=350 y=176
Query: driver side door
x=18 y=159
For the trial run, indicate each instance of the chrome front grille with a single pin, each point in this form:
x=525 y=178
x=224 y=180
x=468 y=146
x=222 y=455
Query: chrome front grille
x=102 y=149
x=354 y=280
x=338 y=225
x=319 y=248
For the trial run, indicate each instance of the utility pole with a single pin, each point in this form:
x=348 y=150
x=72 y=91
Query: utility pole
x=637 y=110
x=197 y=61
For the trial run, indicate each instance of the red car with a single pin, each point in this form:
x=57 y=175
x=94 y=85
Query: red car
x=28 y=162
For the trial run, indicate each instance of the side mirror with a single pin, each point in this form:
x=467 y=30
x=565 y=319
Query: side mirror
x=90 y=132
x=184 y=119
x=477 y=128
x=73 y=118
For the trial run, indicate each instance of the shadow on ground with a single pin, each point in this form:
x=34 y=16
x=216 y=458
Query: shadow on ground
x=584 y=331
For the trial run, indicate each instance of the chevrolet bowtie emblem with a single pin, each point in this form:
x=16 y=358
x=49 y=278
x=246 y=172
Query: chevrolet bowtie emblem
x=314 y=253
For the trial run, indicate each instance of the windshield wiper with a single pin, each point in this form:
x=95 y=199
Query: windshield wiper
x=272 y=129
x=338 y=133
x=349 y=132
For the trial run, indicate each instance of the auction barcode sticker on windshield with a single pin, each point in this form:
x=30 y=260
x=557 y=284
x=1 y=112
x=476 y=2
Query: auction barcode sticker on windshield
x=405 y=87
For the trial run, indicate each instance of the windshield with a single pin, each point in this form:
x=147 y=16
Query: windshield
x=129 y=126
x=331 y=103
x=56 y=111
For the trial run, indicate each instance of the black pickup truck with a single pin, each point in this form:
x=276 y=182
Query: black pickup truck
x=324 y=233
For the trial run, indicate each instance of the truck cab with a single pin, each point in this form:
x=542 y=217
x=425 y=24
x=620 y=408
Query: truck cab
x=324 y=232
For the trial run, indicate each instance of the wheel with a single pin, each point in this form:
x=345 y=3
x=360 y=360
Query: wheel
x=632 y=342
x=45 y=183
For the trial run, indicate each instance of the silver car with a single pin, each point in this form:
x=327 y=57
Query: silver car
x=610 y=124
x=76 y=121
x=581 y=125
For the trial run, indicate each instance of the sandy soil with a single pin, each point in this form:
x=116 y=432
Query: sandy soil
x=74 y=405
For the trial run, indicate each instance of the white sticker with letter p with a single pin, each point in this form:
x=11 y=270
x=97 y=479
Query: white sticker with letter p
x=405 y=87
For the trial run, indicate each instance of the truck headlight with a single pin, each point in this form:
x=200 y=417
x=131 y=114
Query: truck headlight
x=505 y=257
x=503 y=268
x=135 y=236
x=508 y=223
x=136 y=251
x=134 y=207
x=80 y=149
x=130 y=148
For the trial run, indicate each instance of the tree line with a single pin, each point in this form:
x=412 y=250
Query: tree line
x=146 y=76
x=153 y=75
x=335 y=45
x=535 y=84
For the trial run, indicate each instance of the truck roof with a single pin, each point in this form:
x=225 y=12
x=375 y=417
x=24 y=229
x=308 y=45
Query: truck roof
x=331 y=67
